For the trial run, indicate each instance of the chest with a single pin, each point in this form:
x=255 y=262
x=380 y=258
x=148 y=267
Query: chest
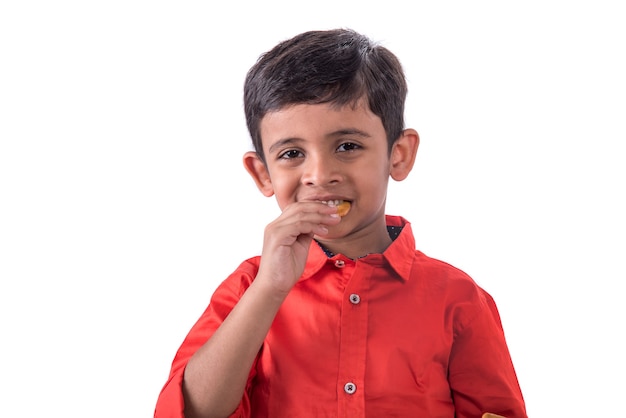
x=359 y=338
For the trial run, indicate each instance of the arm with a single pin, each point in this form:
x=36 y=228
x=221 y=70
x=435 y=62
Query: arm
x=216 y=375
x=481 y=373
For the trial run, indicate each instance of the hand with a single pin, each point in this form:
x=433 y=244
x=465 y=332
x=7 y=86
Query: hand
x=287 y=239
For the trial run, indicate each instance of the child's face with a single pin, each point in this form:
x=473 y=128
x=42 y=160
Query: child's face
x=321 y=153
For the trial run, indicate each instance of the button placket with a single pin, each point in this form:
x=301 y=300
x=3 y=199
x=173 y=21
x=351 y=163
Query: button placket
x=352 y=348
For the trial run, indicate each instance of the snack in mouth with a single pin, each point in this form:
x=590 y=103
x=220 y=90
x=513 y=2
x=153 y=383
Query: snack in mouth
x=343 y=208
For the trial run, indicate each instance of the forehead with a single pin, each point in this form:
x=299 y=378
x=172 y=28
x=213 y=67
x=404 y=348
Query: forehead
x=309 y=121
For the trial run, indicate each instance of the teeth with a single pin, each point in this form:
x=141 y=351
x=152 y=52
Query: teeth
x=332 y=202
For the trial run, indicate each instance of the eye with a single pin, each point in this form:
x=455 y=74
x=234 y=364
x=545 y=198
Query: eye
x=348 y=146
x=289 y=154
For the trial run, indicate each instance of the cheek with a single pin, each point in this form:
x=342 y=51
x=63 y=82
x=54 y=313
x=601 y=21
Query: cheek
x=285 y=187
x=373 y=181
x=374 y=173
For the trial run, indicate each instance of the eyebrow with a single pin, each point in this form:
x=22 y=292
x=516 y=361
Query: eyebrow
x=350 y=131
x=282 y=142
x=292 y=140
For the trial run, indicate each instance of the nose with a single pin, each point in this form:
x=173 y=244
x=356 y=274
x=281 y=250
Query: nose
x=320 y=171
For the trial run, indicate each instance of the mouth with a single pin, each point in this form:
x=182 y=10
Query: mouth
x=343 y=206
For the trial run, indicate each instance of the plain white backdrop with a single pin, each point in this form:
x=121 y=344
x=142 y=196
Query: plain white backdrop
x=123 y=200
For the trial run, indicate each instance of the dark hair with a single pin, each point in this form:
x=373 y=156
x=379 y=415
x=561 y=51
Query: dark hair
x=337 y=66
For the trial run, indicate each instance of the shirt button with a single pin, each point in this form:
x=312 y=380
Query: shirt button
x=349 y=388
x=355 y=299
x=340 y=263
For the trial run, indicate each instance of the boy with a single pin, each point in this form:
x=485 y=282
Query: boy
x=340 y=316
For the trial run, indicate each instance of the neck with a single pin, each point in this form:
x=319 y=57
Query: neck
x=371 y=240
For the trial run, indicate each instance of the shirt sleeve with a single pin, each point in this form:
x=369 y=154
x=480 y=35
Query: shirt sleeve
x=170 y=402
x=481 y=373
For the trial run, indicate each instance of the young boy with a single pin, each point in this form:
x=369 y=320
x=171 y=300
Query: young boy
x=340 y=316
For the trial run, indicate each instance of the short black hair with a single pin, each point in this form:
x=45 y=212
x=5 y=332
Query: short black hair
x=338 y=66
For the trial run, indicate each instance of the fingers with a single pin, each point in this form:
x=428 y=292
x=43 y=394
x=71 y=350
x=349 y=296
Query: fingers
x=308 y=218
x=287 y=240
x=314 y=218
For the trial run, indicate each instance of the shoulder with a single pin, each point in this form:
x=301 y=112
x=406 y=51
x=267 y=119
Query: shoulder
x=240 y=279
x=425 y=266
x=248 y=267
x=455 y=286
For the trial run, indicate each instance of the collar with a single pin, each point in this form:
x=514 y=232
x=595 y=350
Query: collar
x=399 y=255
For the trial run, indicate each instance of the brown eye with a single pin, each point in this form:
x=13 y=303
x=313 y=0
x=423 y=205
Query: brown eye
x=292 y=153
x=348 y=146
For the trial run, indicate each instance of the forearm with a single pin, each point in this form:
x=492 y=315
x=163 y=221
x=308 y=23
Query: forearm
x=216 y=375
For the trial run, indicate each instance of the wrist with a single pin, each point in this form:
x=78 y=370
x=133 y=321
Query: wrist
x=270 y=290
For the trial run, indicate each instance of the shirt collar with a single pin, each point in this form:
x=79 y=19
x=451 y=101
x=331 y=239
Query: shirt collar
x=399 y=255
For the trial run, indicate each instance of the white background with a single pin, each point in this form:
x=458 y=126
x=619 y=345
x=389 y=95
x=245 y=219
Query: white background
x=124 y=202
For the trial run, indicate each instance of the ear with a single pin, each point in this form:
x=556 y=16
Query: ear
x=258 y=171
x=403 y=154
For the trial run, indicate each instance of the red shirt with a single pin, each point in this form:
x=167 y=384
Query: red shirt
x=396 y=334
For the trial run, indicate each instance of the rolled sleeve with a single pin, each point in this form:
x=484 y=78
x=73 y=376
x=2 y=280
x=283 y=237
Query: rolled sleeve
x=171 y=402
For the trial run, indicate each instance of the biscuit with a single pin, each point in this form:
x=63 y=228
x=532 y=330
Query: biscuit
x=343 y=208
